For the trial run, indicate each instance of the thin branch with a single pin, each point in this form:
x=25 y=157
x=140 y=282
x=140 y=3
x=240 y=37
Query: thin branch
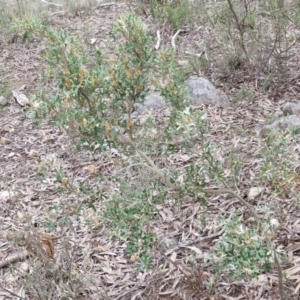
x=201 y=239
x=11 y=292
x=50 y=3
x=105 y=4
x=156 y=47
x=174 y=38
x=172 y=186
x=280 y=276
x=19 y=256
x=239 y=27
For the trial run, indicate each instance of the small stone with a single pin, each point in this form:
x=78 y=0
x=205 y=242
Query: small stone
x=203 y=92
x=169 y=242
x=291 y=108
x=3 y=101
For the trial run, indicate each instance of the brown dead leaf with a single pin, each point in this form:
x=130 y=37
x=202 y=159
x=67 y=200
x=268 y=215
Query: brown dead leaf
x=92 y=169
x=182 y=62
x=47 y=241
x=33 y=153
x=5 y=141
x=291 y=271
x=8 y=128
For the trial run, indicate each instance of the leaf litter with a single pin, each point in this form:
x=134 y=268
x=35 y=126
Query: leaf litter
x=84 y=259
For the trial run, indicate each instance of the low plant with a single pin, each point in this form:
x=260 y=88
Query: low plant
x=277 y=163
x=28 y=27
x=175 y=13
x=95 y=101
x=242 y=251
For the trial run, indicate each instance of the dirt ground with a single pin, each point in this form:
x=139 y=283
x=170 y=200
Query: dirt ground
x=30 y=156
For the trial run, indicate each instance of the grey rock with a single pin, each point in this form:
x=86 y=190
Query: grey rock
x=3 y=101
x=290 y=108
x=152 y=102
x=276 y=116
x=200 y=91
x=203 y=92
x=168 y=242
x=282 y=124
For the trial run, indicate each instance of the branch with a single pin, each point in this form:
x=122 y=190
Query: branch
x=166 y=181
x=174 y=38
x=50 y=3
x=156 y=47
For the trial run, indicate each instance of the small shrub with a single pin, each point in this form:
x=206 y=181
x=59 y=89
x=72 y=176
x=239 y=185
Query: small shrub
x=242 y=252
x=176 y=13
x=95 y=99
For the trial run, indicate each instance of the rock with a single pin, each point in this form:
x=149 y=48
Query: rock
x=3 y=101
x=200 y=91
x=152 y=102
x=203 y=92
x=168 y=242
x=278 y=122
x=290 y=108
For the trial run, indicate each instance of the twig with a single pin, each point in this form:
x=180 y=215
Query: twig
x=181 y=268
x=158 y=40
x=57 y=13
x=128 y=167
x=280 y=276
x=201 y=239
x=11 y=292
x=174 y=38
x=233 y=194
x=172 y=186
x=240 y=28
x=50 y=3
x=105 y=4
x=14 y=258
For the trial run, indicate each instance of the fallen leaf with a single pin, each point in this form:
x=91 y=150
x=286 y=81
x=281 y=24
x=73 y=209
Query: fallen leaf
x=254 y=192
x=182 y=62
x=92 y=41
x=21 y=98
x=4 y=195
x=24 y=267
x=197 y=250
x=92 y=169
x=8 y=128
x=33 y=153
x=5 y=141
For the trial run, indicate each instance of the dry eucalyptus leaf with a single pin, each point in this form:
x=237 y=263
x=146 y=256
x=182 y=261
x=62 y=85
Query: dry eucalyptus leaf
x=8 y=128
x=24 y=267
x=21 y=98
x=182 y=62
x=4 y=195
x=92 y=169
x=33 y=153
x=22 y=88
x=20 y=215
x=5 y=141
x=254 y=192
x=11 y=154
x=92 y=41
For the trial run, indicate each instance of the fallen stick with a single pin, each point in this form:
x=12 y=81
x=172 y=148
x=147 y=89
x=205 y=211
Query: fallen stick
x=19 y=256
x=50 y=3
